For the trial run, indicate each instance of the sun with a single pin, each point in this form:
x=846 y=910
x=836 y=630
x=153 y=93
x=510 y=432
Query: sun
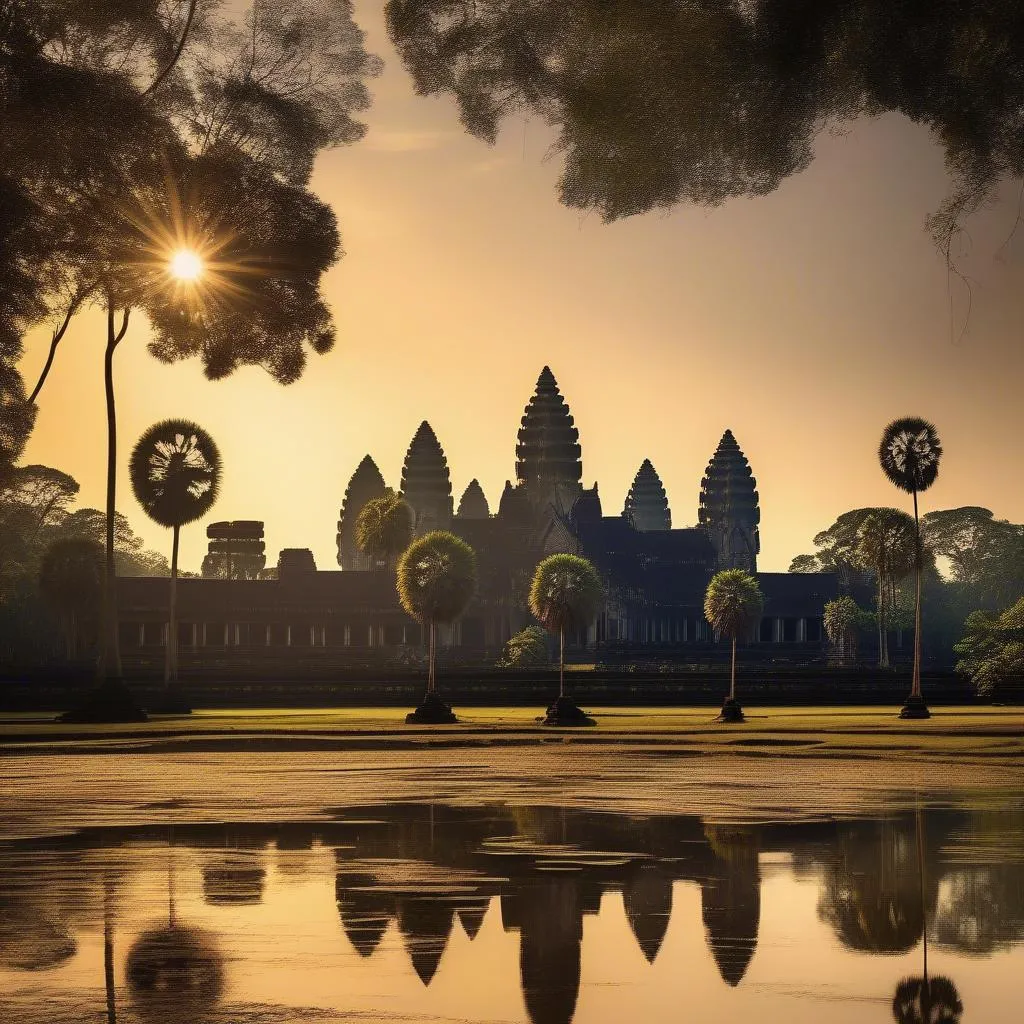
x=186 y=265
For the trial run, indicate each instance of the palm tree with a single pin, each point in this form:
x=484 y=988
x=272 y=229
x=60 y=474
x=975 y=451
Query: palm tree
x=71 y=580
x=925 y=1000
x=566 y=593
x=436 y=578
x=733 y=604
x=909 y=453
x=886 y=543
x=175 y=473
x=384 y=527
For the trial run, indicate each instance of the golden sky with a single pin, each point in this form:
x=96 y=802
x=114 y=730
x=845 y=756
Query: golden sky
x=804 y=321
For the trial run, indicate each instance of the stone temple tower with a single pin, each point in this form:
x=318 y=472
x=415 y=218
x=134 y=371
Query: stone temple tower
x=548 y=455
x=729 y=508
x=365 y=485
x=646 y=504
x=426 y=484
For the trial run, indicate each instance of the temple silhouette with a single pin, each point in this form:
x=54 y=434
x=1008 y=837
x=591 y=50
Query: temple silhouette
x=655 y=574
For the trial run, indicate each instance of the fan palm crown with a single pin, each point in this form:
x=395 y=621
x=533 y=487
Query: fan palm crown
x=436 y=577
x=733 y=602
x=175 y=472
x=909 y=453
x=566 y=592
x=384 y=526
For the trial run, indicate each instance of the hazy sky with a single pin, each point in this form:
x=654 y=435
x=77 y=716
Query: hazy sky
x=803 y=321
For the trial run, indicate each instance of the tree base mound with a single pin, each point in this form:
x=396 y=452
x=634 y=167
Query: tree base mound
x=112 y=702
x=432 y=711
x=915 y=707
x=566 y=712
x=170 y=703
x=731 y=712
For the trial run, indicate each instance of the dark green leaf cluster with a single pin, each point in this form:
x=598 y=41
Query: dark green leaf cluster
x=131 y=129
x=992 y=649
x=566 y=592
x=71 y=574
x=525 y=649
x=843 y=619
x=436 y=577
x=35 y=513
x=657 y=102
x=384 y=526
x=733 y=602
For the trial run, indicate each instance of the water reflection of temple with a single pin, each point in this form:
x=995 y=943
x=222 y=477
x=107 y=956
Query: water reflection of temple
x=418 y=869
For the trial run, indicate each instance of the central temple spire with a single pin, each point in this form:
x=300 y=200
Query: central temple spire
x=729 y=509
x=548 y=453
x=426 y=484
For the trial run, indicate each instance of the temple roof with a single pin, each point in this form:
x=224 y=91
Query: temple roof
x=426 y=484
x=365 y=484
x=548 y=451
x=728 y=491
x=473 y=504
x=646 y=504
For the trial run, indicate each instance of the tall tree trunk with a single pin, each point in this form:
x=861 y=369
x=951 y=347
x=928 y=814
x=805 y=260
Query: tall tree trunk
x=883 y=646
x=915 y=686
x=171 y=659
x=110 y=650
x=433 y=645
x=561 y=662
x=732 y=678
x=108 y=953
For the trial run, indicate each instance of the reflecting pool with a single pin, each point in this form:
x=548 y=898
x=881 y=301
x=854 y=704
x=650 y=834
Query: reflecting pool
x=432 y=912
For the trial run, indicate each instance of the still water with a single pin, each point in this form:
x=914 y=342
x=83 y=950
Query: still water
x=427 y=912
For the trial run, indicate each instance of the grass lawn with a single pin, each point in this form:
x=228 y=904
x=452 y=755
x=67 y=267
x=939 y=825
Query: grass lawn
x=962 y=733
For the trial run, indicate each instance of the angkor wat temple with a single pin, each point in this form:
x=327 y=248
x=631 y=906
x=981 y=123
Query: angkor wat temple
x=655 y=575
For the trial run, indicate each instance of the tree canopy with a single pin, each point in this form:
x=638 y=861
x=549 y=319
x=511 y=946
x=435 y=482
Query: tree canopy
x=436 y=577
x=733 y=602
x=992 y=649
x=566 y=592
x=656 y=103
x=132 y=129
x=384 y=526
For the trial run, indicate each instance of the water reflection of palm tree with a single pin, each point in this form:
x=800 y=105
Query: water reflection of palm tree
x=175 y=974
x=731 y=900
x=925 y=1000
x=871 y=895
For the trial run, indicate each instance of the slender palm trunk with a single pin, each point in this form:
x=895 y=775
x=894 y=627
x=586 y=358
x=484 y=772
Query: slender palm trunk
x=108 y=953
x=561 y=662
x=110 y=651
x=919 y=822
x=171 y=660
x=883 y=646
x=732 y=679
x=433 y=647
x=915 y=686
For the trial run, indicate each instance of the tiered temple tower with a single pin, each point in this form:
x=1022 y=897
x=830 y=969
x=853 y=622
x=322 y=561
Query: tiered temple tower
x=426 y=483
x=646 y=504
x=729 y=508
x=548 y=455
x=365 y=485
x=473 y=504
